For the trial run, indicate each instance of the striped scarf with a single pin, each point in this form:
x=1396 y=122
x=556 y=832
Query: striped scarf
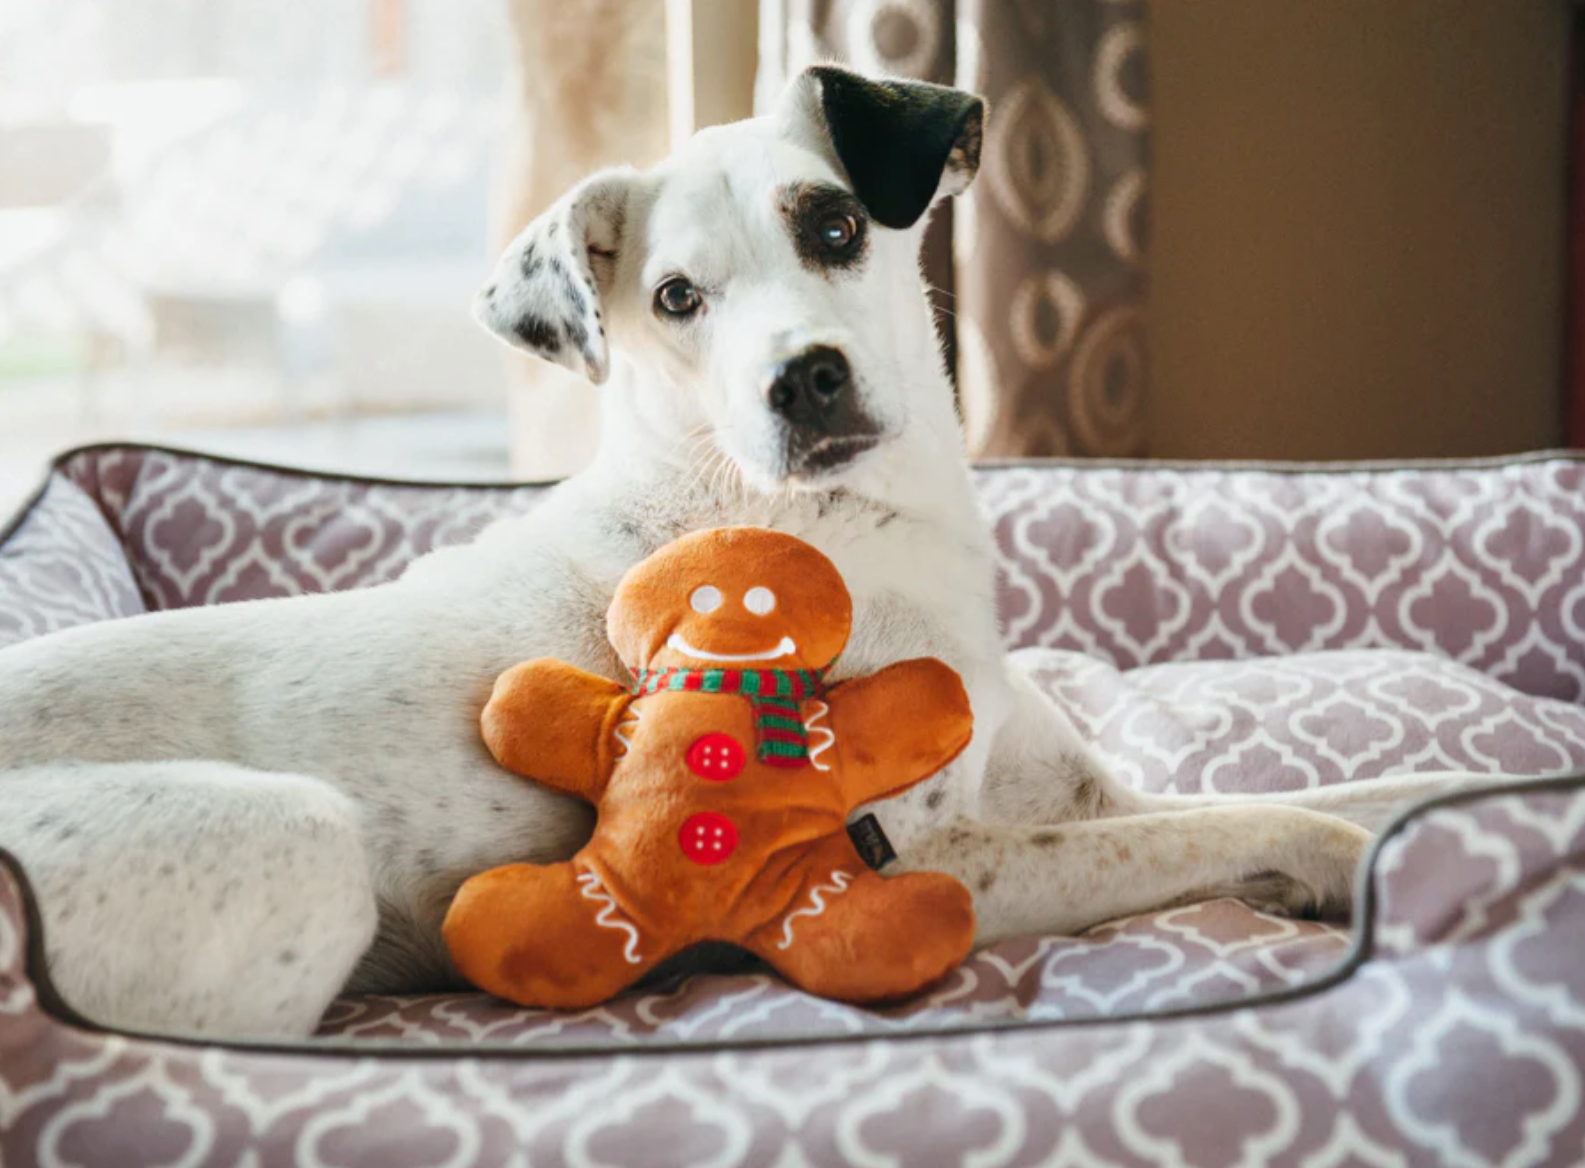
x=773 y=693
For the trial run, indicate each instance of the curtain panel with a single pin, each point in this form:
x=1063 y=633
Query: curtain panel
x=1039 y=271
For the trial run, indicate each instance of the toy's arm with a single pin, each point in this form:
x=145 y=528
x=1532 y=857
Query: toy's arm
x=898 y=727
x=554 y=724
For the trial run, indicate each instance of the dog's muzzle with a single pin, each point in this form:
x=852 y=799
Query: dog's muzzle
x=814 y=395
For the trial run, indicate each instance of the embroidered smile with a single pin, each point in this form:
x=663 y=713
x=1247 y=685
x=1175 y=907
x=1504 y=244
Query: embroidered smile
x=784 y=649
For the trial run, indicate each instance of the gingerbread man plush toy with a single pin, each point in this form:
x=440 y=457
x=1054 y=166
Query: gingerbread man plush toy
x=723 y=777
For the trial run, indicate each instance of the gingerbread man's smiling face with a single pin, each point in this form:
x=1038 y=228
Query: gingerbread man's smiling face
x=732 y=598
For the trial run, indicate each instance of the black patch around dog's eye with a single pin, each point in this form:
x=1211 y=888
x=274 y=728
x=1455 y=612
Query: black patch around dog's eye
x=828 y=226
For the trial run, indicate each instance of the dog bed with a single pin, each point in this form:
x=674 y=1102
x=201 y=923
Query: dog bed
x=1210 y=628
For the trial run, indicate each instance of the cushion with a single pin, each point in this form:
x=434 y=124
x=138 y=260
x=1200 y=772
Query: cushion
x=1143 y=564
x=1306 y=720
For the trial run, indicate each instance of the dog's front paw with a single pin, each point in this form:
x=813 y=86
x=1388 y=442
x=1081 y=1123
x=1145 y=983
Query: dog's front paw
x=1317 y=881
x=1280 y=895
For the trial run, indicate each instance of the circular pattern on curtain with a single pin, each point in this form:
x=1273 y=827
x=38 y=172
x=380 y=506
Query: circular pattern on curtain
x=1036 y=161
x=902 y=37
x=1053 y=288
x=1119 y=68
x=1108 y=380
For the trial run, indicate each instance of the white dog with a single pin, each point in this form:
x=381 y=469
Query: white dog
x=231 y=814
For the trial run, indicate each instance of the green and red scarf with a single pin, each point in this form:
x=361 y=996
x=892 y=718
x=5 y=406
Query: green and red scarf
x=773 y=693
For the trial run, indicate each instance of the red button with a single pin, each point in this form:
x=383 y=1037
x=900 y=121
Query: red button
x=707 y=838
x=716 y=757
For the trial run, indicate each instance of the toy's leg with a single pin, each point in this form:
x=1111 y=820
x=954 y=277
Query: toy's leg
x=548 y=936
x=857 y=937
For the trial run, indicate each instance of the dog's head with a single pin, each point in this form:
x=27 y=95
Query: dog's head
x=766 y=275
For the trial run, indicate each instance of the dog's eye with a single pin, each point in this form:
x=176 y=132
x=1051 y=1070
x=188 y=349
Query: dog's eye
x=838 y=231
x=677 y=297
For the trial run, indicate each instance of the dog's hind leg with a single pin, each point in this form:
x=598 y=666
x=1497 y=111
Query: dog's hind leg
x=1370 y=803
x=1062 y=844
x=1041 y=771
x=1068 y=877
x=192 y=897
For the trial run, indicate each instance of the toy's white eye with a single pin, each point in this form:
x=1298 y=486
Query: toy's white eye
x=705 y=598
x=759 y=601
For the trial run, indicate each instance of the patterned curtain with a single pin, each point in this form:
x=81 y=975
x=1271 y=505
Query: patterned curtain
x=1040 y=269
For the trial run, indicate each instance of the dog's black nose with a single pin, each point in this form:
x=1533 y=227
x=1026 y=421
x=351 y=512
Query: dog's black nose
x=806 y=388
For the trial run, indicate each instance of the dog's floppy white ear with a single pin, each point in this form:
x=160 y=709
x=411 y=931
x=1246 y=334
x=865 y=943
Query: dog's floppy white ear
x=546 y=292
x=903 y=144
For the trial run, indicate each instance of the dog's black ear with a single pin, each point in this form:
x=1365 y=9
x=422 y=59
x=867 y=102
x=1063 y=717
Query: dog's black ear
x=545 y=294
x=902 y=143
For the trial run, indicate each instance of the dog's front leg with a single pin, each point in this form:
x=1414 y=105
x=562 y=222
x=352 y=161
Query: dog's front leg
x=1066 y=878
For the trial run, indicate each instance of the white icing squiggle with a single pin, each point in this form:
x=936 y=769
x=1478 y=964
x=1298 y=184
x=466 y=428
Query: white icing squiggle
x=629 y=723
x=812 y=727
x=607 y=918
x=839 y=882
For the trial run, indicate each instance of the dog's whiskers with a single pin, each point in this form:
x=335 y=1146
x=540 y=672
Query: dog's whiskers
x=940 y=308
x=700 y=457
x=724 y=468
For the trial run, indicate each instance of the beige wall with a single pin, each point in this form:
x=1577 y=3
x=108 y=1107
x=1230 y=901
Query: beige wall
x=1358 y=234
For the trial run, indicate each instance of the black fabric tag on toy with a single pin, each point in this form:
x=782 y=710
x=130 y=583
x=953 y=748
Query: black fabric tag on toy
x=875 y=849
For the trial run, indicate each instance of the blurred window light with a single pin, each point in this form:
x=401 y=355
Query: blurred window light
x=287 y=200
